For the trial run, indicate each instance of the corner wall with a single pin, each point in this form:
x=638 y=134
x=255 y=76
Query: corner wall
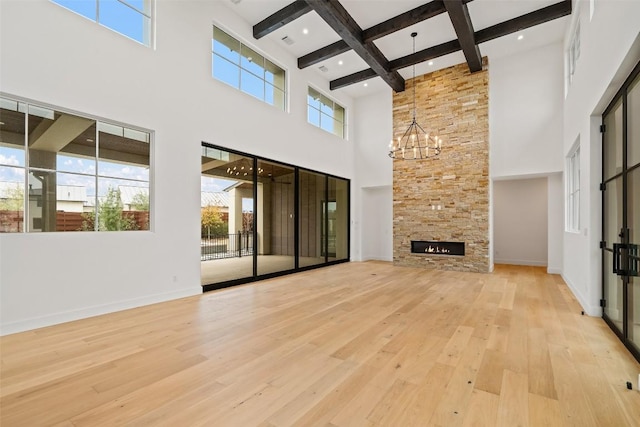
x=454 y=104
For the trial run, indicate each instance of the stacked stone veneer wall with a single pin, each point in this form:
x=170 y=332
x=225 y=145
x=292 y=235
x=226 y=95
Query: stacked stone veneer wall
x=455 y=104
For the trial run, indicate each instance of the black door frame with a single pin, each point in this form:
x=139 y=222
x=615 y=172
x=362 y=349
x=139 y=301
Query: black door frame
x=624 y=232
x=255 y=277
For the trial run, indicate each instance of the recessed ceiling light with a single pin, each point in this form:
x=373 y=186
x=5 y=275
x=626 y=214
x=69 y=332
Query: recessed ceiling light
x=305 y=31
x=340 y=62
x=366 y=84
x=430 y=63
x=520 y=37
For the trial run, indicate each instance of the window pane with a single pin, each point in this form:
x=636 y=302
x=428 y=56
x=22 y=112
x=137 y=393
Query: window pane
x=79 y=156
x=12 y=130
x=338 y=128
x=85 y=8
x=143 y=6
x=252 y=85
x=313 y=99
x=326 y=123
x=123 y=205
x=274 y=96
x=122 y=157
x=52 y=132
x=313 y=116
x=274 y=74
x=123 y=19
x=338 y=113
x=225 y=71
x=11 y=199
x=252 y=61
x=226 y=46
x=326 y=105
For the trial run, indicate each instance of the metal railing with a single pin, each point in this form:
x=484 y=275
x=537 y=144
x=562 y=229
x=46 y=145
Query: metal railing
x=227 y=246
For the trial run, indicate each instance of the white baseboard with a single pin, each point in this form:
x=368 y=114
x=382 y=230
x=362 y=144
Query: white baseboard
x=520 y=262
x=589 y=309
x=376 y=258
x=71 y=315
x=554 y=270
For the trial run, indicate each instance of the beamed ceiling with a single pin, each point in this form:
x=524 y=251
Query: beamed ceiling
x=356 y=41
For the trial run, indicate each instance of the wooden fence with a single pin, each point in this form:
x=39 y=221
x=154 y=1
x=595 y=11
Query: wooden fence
x=11 y=221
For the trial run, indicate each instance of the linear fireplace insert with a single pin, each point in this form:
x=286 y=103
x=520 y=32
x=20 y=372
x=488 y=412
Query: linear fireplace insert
x=430 y=247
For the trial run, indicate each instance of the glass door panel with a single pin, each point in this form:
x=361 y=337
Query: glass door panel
x=311 y=191
x=226 y=221
x=338 y=220
x=275 y=217
x=612 y=225
x=613 y=142
x=633 y=219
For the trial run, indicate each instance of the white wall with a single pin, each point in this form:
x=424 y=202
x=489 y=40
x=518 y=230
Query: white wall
x=374 y=176
x=610 y=47
x=555 y=223
x=52 y=56
x=520 y=221
x=526 y=130
x=525 y=105
x=377 y=223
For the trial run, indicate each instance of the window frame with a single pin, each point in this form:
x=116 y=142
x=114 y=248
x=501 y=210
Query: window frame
x=321 y=113
x=250 y=70
x=572 y=212
x=148 y=31
x=97 y=175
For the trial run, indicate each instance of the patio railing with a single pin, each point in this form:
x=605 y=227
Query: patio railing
x=228 y=246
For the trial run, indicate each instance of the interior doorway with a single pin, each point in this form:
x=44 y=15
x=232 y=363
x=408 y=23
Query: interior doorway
x=621 y=213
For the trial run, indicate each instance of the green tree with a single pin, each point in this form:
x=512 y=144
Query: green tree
x=110 y=215
x=211 y=221
x=14 y=200
x=140 y=202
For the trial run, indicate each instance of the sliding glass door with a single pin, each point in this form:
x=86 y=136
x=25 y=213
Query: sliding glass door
x=261 y=218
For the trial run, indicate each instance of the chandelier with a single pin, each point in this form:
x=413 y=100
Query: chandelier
x=242 y=168
x=415 y=144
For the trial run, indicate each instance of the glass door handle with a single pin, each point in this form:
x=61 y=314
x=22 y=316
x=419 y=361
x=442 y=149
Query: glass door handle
x=617 y=259
x=626 y=259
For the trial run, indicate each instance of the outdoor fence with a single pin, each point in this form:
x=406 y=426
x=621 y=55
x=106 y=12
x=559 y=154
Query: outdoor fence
x=226 y=246
x=11 y=221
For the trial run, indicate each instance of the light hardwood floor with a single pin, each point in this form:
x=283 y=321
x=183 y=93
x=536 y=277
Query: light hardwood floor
x=357 y=344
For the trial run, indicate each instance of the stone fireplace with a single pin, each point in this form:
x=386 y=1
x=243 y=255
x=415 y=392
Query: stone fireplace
x=444 y=199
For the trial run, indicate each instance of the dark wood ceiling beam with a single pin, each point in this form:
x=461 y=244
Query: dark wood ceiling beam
x=352 y=79
x=549 y=13
x=461 y=21
x=540 y=16
x=321 y=54
x=425 y=55
x=334 y=14
x=404 y=20
x=382 y=29
x=281 y=18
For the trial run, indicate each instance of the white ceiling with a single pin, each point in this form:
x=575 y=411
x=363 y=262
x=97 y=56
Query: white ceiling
x=483 y=13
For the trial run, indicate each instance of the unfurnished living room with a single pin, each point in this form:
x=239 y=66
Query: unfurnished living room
x=320 y=212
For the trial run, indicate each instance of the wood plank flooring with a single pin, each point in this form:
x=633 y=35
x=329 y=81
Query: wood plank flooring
x=356 y=344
